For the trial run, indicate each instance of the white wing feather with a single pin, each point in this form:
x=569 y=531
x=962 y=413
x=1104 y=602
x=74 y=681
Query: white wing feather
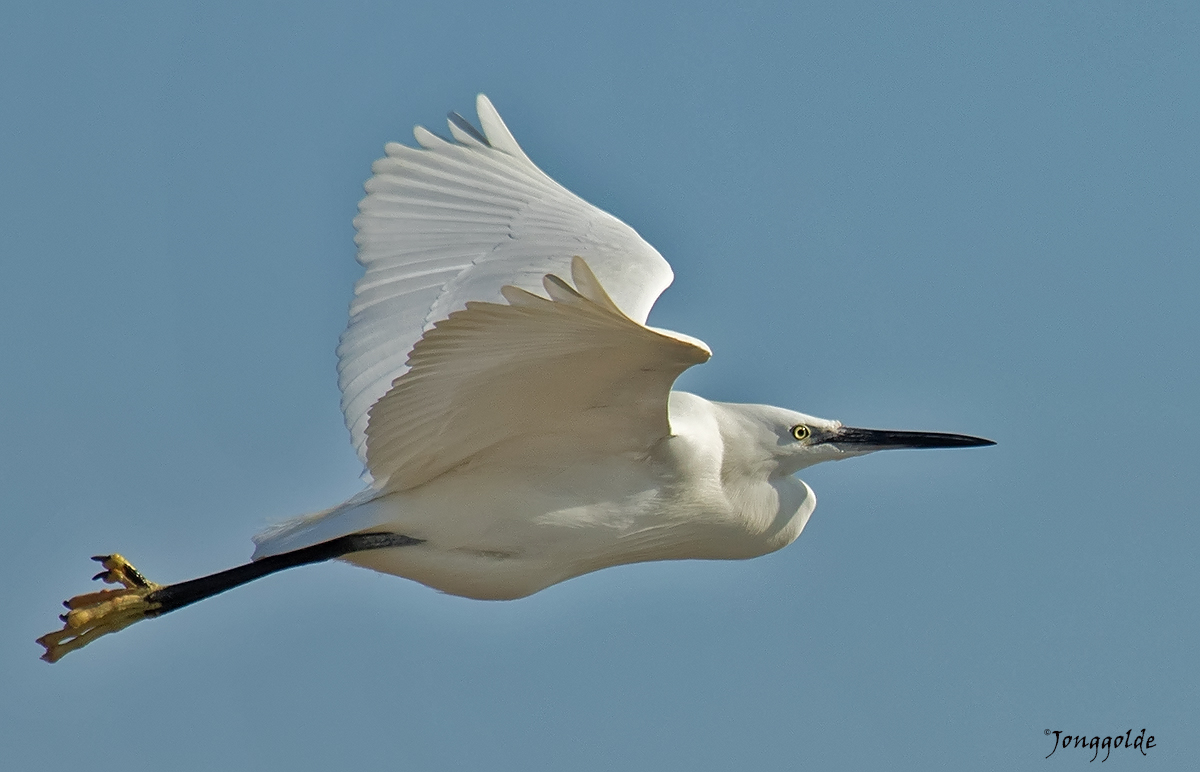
x=490 y=380
x=452 y=223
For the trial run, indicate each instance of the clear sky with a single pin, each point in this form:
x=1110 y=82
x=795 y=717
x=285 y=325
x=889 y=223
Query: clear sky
x=940 y=216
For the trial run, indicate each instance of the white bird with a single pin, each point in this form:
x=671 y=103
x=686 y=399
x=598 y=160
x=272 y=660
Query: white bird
x=513 y=411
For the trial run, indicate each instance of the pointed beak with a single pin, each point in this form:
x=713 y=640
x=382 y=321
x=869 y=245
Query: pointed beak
x=853 y=440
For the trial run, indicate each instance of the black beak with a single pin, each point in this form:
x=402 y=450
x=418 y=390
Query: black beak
x=864 y=440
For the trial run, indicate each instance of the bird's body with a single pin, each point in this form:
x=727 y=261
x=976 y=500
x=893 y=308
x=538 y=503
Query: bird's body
x=512 y=409
x=553 y=508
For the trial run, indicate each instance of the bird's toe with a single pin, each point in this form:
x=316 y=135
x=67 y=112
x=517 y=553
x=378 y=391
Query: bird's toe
x=94 y=614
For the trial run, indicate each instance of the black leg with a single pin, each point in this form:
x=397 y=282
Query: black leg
x=174 y=596
x=98 y=613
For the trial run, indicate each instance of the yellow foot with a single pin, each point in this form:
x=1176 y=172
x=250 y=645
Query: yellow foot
x=94 y=614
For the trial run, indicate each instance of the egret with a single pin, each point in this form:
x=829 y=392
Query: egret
x=511 y=407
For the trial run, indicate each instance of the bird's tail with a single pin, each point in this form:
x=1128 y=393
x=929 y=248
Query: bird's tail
x=351 y=516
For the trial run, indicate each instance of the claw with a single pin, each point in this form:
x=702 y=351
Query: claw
x=118 y=570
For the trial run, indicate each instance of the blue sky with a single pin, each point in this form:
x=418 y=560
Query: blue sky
x=978 y=219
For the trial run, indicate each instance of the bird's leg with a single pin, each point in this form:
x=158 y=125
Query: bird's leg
x=94 y=614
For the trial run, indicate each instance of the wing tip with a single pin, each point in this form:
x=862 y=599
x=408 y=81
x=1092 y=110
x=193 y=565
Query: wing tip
x=495 y=131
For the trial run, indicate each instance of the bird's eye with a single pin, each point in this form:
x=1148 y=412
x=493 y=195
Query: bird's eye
x=801 y=432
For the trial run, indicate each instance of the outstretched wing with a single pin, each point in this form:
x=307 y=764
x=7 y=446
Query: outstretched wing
x=495 y=377
x=453 y=222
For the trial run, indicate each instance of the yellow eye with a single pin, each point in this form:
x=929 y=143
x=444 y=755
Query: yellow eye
x=801 y=432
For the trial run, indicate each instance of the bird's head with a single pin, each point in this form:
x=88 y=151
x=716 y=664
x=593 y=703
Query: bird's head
x=789 y=441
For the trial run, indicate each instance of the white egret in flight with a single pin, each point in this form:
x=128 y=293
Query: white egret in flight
x=512 y=409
